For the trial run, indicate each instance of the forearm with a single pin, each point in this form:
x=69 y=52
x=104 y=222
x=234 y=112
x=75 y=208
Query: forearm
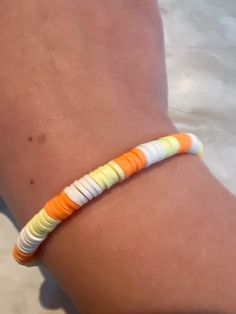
x=77 y=76
x=82 y=94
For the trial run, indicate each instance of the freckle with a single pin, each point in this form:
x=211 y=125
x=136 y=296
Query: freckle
x=42 y=138
x=30 y=138
x=31 y=182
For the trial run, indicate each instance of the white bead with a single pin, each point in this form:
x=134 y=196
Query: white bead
x=154 y=152
x=25 y=249
x=83 y=190
x=74 y=194
x=27 y=244
x=196 y=144
x=80 y=195
x=92 y=183
x=29 y=241
x=88 y=186
x=147 y=154
x=161 y=153
x=31 y=238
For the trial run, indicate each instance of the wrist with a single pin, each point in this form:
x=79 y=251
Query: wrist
x=68 y=150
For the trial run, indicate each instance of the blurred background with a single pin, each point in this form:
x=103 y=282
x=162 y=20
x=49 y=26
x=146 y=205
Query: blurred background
x=200 y=38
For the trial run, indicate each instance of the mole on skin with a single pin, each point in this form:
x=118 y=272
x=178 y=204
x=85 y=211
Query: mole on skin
x=31 y=182
x=42 y=138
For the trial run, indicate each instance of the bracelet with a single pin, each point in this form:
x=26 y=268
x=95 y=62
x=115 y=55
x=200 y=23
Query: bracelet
x=93 y=184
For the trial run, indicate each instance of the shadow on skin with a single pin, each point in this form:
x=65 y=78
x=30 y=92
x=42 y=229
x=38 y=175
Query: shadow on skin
x=51 y=296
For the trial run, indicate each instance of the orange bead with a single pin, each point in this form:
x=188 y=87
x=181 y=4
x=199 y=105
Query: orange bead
x=132 y=160
x=63 y=213
x=63 y=204
x=52 y=211
x=140 y=156
x=125 y=165
x=138 y=161
x=21 y=257
x=63 y=207
x=68 y=201
x=185 y=142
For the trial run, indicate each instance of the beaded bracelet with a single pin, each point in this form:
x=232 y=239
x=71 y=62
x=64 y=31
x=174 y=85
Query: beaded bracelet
x=93 y=184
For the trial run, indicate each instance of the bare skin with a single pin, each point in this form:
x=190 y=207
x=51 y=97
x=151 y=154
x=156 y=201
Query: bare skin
x=82 y=82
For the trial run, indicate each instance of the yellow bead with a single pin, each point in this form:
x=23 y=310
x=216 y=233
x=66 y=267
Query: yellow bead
x=32 y=229
x=118 y=169
x=174 y=143
x=43 y=221
x=98 y=178
x=42 y=217
x=109 y=171
x=107 y=180
x=38 y=227
x=200 y=152
x=110 y=174
x=48 y=218
x=168 y=147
